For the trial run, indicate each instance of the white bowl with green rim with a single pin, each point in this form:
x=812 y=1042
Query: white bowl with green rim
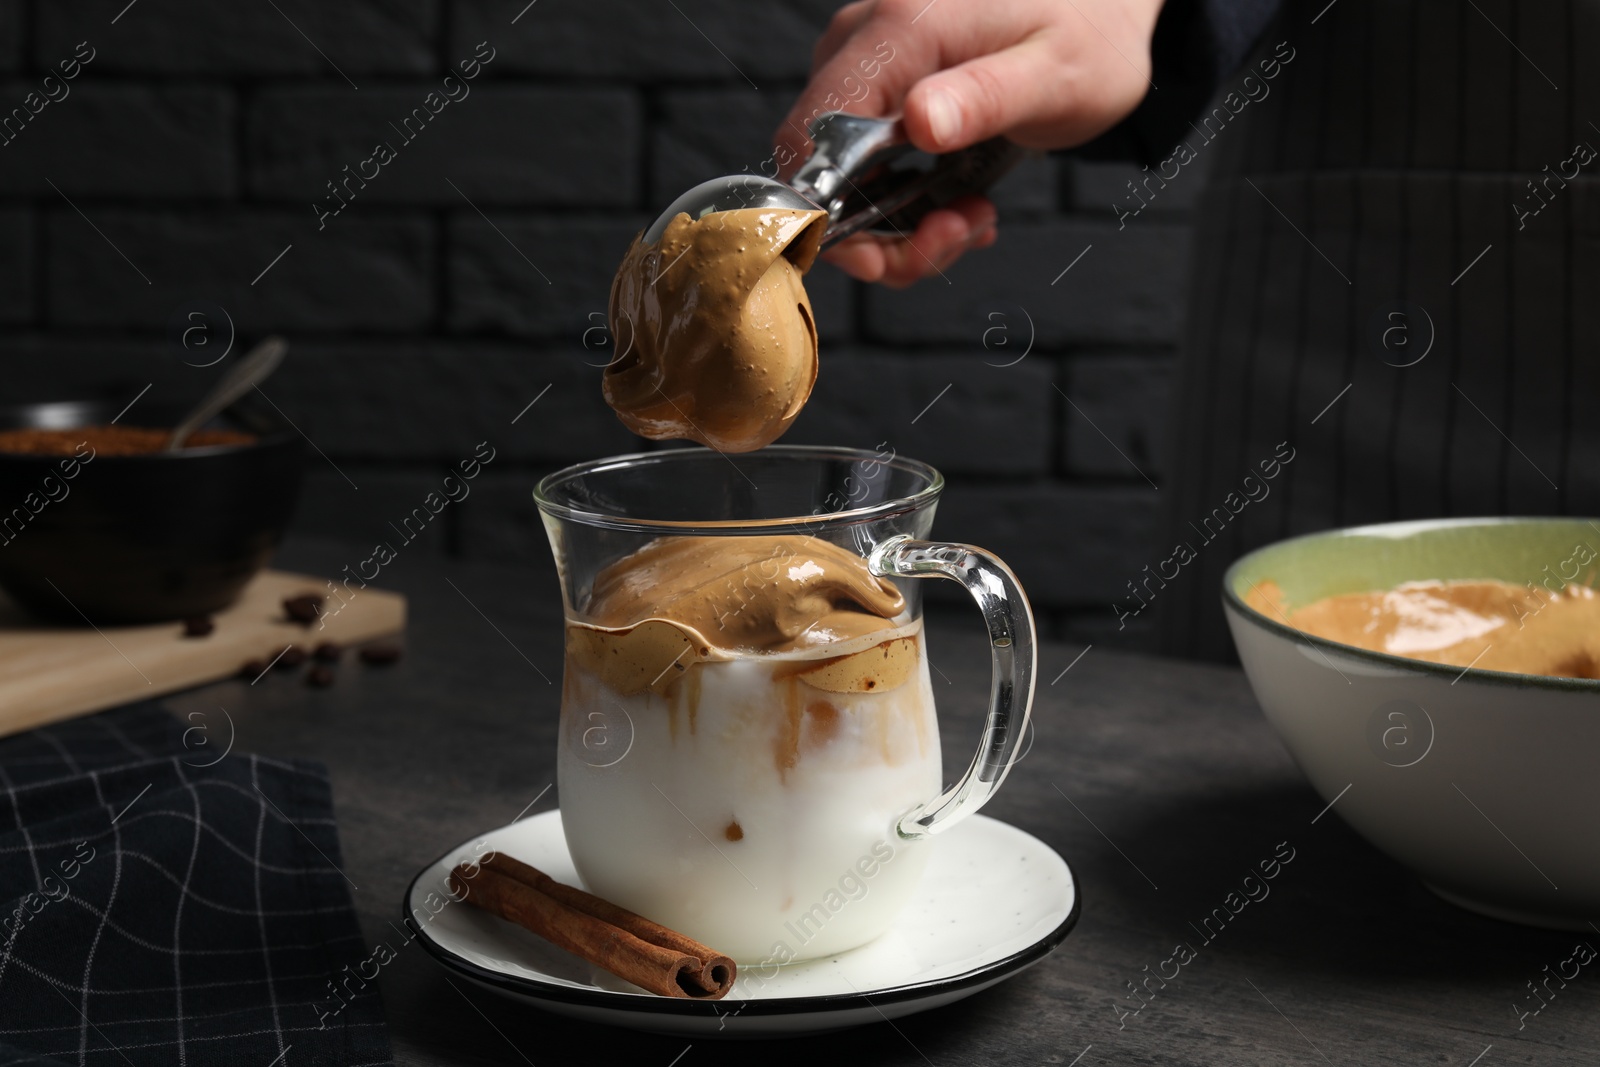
x=1485 y=783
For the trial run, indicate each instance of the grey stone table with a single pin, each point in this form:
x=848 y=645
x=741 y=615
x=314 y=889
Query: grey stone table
x=1159 y=781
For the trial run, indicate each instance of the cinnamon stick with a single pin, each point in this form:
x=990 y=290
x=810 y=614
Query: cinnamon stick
x=602 y=909
x=628 y=945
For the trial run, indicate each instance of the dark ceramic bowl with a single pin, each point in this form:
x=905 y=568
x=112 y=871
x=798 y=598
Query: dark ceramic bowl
x=146 y=538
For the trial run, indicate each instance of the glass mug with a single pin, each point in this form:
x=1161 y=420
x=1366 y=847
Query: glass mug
x=774 y=805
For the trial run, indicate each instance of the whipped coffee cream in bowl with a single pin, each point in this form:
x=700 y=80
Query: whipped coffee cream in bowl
x=749 y=748
x=1438 y=682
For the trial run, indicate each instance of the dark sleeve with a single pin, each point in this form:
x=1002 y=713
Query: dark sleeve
x=1198 y=45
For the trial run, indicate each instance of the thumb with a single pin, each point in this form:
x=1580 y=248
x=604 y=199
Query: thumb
x=1019 y=87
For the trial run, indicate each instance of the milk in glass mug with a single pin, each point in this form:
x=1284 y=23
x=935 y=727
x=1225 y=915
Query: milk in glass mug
x=748 y=747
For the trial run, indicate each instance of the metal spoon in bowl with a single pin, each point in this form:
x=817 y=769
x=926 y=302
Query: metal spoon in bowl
x=256 y=366
x=848 y=176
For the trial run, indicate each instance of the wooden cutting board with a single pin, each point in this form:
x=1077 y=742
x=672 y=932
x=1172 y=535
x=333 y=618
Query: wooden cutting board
x=50 y=672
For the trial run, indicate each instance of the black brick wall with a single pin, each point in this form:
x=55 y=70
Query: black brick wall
x=465 y=278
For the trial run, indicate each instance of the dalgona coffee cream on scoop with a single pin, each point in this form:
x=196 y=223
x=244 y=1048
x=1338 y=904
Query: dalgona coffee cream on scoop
x=715 y=334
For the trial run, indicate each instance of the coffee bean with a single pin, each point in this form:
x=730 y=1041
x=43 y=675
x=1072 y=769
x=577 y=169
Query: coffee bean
x=292 y=656
x=304 y=608
x=198 y=626
x=319 y=677
x=253 y=669
x=380 y=655
x=328 y=651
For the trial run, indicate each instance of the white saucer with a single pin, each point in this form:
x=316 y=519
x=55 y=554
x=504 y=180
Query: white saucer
x=994 y=901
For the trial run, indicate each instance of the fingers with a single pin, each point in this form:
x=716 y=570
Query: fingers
x=874 y=51
x=866 y=71
x=1046 y=76
x=939 y=240
x=1042 y=74
x=1002 y=93
x=860 y=256
x=840 y=27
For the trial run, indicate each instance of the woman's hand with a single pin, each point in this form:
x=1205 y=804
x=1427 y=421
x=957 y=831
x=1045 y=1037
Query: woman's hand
x=1045 y=73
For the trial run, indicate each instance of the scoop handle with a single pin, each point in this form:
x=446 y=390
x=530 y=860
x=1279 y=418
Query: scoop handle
x=1013 y=655
x=846 y=174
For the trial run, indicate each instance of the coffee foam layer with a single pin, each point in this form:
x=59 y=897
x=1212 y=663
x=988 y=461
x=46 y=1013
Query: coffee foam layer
x=873 y=688
x=652 y=655
x=658 y=652
x=877 y=668
x=766 y=593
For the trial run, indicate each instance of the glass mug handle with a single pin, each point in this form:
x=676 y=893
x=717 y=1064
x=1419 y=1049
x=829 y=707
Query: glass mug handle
x=1014 y=656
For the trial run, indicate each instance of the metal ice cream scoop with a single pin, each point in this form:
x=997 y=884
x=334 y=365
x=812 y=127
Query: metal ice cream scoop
x=851 y=175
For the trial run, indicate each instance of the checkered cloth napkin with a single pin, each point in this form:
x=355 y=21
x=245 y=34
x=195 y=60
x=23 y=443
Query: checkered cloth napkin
x=162 y=905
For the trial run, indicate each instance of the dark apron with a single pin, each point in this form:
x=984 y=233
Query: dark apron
x=1381 y=294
